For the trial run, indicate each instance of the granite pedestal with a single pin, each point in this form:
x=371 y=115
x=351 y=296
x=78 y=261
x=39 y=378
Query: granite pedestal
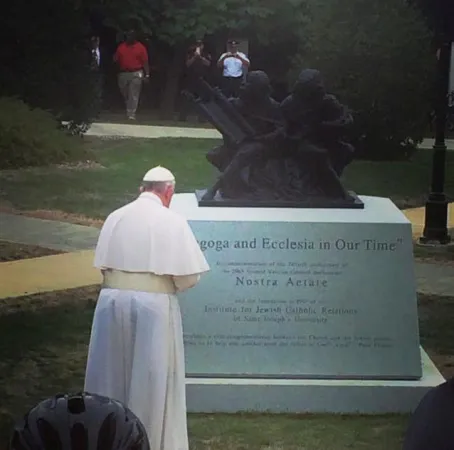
x=304 y=310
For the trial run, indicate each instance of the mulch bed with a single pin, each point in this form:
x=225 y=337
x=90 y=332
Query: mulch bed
x=10 y=251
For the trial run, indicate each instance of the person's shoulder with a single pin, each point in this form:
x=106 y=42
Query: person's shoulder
x=174 y=222
x=121 y=46
x=120 y=211
x=140 y=45
x=113 y=217
x=175 y=217
x=167 y=214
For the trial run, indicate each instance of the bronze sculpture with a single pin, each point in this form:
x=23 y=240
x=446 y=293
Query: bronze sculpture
x=278 y=155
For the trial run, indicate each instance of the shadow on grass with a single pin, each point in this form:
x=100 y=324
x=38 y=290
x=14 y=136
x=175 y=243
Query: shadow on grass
x=311 y=432
x=43 y=348
x=436 y=319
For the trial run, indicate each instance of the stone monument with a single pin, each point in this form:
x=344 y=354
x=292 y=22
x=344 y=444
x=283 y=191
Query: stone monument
x=310 y=305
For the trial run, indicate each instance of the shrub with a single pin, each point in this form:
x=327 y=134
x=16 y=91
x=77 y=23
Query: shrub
x=376 y=57
x=30 y=137
x=46 y=58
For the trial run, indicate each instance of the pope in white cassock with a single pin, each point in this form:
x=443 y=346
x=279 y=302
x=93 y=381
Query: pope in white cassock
x=147 y=253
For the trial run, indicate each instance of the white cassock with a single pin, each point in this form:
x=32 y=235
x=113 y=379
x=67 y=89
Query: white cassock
x=136 y=352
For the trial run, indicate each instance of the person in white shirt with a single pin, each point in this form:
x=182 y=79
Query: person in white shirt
x=233 y=64
x=147 y=253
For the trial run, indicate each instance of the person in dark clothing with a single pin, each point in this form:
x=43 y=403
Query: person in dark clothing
x=432 y=424
x=198 y=64
x=97 y=78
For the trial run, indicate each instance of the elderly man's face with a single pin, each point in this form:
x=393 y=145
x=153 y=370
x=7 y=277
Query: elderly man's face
x=167 y=195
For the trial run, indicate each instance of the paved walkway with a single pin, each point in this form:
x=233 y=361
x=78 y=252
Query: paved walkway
x=48 y=274
x=51 y=273
x=51 y=234
x=429 y=143
x=150 y=131
x=417 y=217
x=154 y=132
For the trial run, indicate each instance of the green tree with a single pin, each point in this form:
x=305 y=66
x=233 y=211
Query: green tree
x=45 y=57
x=177 y=22
x=376 y=55
x=439 y=15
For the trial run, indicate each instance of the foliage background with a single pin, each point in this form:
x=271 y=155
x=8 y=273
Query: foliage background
x=30 y=137
x=377 y=57
x=45 y=57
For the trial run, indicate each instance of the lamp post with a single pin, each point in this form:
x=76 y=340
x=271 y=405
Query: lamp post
x=436 y=217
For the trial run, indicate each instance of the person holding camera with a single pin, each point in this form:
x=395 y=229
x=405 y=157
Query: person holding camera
x=198 y=64
x=233 y=64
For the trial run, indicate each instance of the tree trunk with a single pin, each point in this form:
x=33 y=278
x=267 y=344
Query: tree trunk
x=171 y=90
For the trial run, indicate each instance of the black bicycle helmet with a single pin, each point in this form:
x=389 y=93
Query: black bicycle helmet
x=81 y=421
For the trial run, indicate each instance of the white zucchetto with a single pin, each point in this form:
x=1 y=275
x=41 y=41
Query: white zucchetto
x=159 y=174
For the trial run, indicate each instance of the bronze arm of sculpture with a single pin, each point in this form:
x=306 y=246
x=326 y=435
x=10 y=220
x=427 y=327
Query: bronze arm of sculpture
x=226 y=119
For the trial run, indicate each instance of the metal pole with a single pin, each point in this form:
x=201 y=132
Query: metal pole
x=436 y=218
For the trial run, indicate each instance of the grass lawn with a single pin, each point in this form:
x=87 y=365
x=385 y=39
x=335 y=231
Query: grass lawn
x=43 y=349
x=43 y=338
x=97 y=189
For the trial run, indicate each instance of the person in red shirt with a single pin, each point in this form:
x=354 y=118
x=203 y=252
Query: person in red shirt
x=131 y=57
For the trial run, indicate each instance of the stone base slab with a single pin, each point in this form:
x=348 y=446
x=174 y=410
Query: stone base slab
x=223 y=395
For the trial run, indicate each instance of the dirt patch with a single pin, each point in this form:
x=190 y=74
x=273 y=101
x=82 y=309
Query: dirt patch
x=37 y=302
x=440 y=255
x=81 y=165
x=15 y=175
x=10 y=251
x=444 y=363
x=436 y=315
x=409 y=202
x=59 y=216
x=439 y=261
